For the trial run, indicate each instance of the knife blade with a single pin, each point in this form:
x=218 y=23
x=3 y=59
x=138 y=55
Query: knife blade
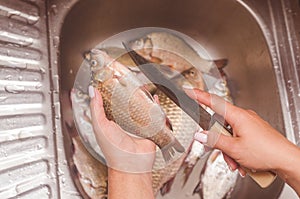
x=171 y=90
x=192 y=108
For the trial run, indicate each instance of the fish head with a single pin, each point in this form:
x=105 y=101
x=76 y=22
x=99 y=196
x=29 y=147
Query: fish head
x=97 y=59
x=193 y=75
x=142 y=45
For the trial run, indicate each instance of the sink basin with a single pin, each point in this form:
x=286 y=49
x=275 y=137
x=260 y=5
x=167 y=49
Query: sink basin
x=41 y=48
x=230 y=32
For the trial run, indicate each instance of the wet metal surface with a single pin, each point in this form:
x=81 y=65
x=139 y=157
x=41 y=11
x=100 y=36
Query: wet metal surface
x=27 y=140
x=41 y=46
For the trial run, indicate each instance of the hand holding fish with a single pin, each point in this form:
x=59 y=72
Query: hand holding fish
x=129 y=159
x=130 y=105
x=122 y=151
x=255 y=145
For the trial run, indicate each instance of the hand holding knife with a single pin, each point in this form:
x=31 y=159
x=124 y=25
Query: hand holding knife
x=191 y=107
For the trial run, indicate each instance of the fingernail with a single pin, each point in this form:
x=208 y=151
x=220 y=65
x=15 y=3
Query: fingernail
x=91 y=92
x=242 y=175
x=201 y=137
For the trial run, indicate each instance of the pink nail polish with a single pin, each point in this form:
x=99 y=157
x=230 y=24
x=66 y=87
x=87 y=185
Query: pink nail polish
x=230 y=168
x=91 y=92
x=201 y=137
x=242 y=175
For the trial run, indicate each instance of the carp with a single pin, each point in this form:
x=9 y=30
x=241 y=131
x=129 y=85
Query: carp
x=131 y=106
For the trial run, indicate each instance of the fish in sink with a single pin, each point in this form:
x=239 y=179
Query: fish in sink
x=183 y=127
x=191 y=76
x=168 y=49
x=216 y=180
x=91 y=177
x=130 y=105
x=162 y=177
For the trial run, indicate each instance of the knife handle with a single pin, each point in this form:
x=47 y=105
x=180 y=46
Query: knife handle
x=262 y=178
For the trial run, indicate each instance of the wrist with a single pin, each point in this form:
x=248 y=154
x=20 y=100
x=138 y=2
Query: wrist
x=147 y=176
x=129 y=185
x=289 y=164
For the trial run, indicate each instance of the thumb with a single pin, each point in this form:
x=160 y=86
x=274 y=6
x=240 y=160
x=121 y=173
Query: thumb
x=103 y=128
x=213 y=139
x=96 y=106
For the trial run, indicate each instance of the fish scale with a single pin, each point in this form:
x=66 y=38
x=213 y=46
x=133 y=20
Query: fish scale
x=184 y=128
x=129 y=111
x=131 y=106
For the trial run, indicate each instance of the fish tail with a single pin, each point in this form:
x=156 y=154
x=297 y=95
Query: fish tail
x=169 y=151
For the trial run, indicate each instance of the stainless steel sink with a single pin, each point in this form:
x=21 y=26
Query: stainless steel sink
x=259 y=38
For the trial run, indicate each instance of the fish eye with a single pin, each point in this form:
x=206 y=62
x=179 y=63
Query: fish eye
x=94 y=62
x=139 y=43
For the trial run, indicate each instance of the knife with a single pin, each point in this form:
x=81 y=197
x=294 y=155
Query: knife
x=192 y=108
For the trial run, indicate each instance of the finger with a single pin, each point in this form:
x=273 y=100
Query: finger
x=108 y=134
x=242 y=172
x=198 y=95
x=96 y=105
x=216 y=103
x=231 y=163
x=216 y=140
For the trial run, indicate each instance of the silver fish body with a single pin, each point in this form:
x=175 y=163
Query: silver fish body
x=160 y=48
x=217 y=181
x=182 y=125
x=91 y=177
x=129 y=105
x=166 y=48
x=184 y=128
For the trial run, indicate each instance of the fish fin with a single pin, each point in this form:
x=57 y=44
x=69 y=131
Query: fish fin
x=166 y=188
x=221 y=63
x=198 y=189
x=187 y=172
x=188 y=166
x=155 y=59
x=169 y=124
x=87 y=55
x=178 y=147
x=168 y=151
